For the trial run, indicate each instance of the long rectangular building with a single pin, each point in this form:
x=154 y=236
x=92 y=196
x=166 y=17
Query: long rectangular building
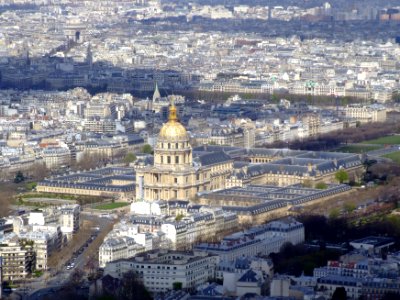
x=110 y=181
x=162 y=270
x=255 y=203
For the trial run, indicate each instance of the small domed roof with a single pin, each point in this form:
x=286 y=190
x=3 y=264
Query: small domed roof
x=173 y=130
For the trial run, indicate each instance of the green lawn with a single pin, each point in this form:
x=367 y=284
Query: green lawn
x=395 y=156
x=49 y=195
x=110 y=206
x=359 y=148
x=386 y=140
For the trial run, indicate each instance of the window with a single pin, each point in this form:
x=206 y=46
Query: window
x=168 y=159
x=176 y=145
x=175 y=180
x=169 y=146
x=162 y=159
x=177 y=159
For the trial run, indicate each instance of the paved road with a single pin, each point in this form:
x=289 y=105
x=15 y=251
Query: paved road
x=383 y=151
x=40 y=288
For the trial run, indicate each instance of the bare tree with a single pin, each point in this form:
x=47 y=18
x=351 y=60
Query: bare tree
x=76 y=277
x=90 y=161
x=39 y=171
x=7 y=192
x=131 y=288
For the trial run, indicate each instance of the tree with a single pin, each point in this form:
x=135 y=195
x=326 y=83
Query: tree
x=341 y=176
x=334 y=213
x=396 y=96
x=177 y=286
x=7 y=193
x=76 y=277
x=307 y=183
x=90 y=161
x=349 y=207
x=179 y=217
x=321 y=186
x=91 y=269
x=19 y=177
x=339 y=294
x=39 y=171
x=147 y=149
x=129 y=158
x=131 y=288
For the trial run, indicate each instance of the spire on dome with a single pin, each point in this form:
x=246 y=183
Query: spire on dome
x=172 y=111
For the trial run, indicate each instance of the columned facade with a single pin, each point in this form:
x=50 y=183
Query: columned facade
x=173 y=175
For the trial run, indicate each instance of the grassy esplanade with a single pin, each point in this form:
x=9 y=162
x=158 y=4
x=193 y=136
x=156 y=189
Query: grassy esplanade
x=358 y=148
x=395 y=156
x=386 y=140
x=111 y=206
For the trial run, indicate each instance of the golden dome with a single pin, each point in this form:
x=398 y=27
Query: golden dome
x=173 y=130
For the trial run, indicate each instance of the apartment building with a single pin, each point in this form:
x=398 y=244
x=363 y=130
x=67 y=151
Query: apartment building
x=115 y=248
x=162 y=270
x=55 y=157
x=45 y=241
x=366 y=114
x=18 y=259
x=70 y=218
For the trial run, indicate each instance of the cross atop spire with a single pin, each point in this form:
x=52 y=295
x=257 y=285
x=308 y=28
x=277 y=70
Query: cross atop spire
x=172 y=110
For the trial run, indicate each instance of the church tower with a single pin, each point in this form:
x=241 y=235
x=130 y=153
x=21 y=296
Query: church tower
x=156 y=94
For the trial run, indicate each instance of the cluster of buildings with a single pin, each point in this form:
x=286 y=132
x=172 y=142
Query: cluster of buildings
x=363 y=272
x=237 y=256
x=63 y=46
x=175 y=225
x=240 y=265
x=53 y=130
x=29 y=239
x=243 y=181
x=205 y=178
x=178 y=172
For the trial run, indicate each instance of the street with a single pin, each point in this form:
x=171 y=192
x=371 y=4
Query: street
x=55 y=278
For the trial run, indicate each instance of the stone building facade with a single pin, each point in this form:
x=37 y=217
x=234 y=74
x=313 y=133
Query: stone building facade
x=175 y=174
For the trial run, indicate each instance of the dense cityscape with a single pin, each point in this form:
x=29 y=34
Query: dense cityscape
x=204 y=149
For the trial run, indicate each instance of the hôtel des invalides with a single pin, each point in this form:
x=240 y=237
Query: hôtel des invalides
x=180 y=172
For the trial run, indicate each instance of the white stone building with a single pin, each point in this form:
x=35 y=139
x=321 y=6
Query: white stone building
x=69 y=219
x=116 y=248
x=366 y=114
x=46 y=240
x=161 y=270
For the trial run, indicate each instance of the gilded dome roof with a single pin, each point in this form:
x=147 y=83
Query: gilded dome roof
x=173 y=130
